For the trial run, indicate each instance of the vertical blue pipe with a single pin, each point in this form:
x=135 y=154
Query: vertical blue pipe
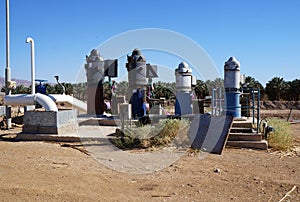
x=232 y=87
x=233 y=104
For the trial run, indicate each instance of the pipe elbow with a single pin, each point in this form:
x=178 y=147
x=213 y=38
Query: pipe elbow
x=46 y=102
x=29 y=40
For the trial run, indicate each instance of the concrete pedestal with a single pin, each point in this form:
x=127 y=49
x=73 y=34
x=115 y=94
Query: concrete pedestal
x=48 y=122
x=183 y=104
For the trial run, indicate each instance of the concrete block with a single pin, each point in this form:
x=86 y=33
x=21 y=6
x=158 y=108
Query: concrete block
x=2 y=110
x=50 y=122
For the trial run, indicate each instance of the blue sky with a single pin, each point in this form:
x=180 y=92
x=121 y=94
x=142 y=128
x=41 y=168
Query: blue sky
x=263 y=35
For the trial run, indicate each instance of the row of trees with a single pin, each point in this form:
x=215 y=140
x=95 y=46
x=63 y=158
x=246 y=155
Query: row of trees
x=276 y=89
x=50 y=89
x=279 y=89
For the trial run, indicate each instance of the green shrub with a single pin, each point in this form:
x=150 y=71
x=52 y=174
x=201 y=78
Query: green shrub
x=281 y=138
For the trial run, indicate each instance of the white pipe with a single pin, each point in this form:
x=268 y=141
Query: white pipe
x=30 y=40
x=69 y=99
x=7 y=69
x=28 y=99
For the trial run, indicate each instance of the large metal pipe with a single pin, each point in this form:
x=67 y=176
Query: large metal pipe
x=27 y=99
x=78 y=104
x=7 y=69
x=31 y=41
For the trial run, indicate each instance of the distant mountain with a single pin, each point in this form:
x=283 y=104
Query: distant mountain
x=18 y=81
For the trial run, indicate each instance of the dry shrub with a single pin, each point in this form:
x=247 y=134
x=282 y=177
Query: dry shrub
x=281 y=138
x=152 y=136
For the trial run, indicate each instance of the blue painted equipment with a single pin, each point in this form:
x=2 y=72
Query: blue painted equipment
x=40 y=88
x=184 y=82
x=138 y=72
x=232 y=87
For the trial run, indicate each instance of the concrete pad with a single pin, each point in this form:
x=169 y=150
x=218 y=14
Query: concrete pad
x=249 y=144
x=82 y=133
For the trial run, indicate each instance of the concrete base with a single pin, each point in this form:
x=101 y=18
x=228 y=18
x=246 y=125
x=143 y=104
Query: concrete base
x=48 y=122
x=48 y=137
x=2 y=110
x=83 y=133
x=183 y=103
x=99 y=122
x=49 y=129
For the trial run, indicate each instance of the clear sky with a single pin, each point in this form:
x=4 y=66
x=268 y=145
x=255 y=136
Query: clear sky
x=263 y=35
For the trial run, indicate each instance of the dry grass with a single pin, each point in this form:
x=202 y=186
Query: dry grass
x=152 y=136
x=281 y=138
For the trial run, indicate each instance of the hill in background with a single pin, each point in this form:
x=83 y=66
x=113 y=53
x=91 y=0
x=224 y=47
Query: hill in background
x=18 y=81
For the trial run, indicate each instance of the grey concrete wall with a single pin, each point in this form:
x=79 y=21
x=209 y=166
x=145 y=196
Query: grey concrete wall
x=50 y=122
x=2 y=110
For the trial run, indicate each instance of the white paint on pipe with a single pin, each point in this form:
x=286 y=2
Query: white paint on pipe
x=232 y=73
x=78 y=104
x=29 y=99
x=7 y=69
x=31 y=41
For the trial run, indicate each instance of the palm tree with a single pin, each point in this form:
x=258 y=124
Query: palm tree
x=69 y=88
x=217 y=83
x=80 y=91
x=276 y=87
x=253 y=83
x=164 y=89
x=20 y=89
x=122 y=87
x=294 y=90
x=201 y=89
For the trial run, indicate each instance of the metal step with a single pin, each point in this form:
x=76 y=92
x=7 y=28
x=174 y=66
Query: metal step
x=249 y=144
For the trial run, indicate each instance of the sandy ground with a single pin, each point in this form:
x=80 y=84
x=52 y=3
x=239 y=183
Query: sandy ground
x=40 y=171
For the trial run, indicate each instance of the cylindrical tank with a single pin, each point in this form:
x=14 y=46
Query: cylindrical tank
x=183 y=84
x=232 y=87
x=95 y=76
x=136 y=68
x=183 y=78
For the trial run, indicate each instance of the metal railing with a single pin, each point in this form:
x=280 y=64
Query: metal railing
x=252 y=103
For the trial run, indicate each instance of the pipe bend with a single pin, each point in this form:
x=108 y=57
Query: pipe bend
x=29 y=40
x=45 y=101
x=29 y=99
x=69 y=99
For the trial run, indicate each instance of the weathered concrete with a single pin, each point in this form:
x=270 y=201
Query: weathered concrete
x=263 y=144
x=50 y=122
x=244 y=137
x=2 y=110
